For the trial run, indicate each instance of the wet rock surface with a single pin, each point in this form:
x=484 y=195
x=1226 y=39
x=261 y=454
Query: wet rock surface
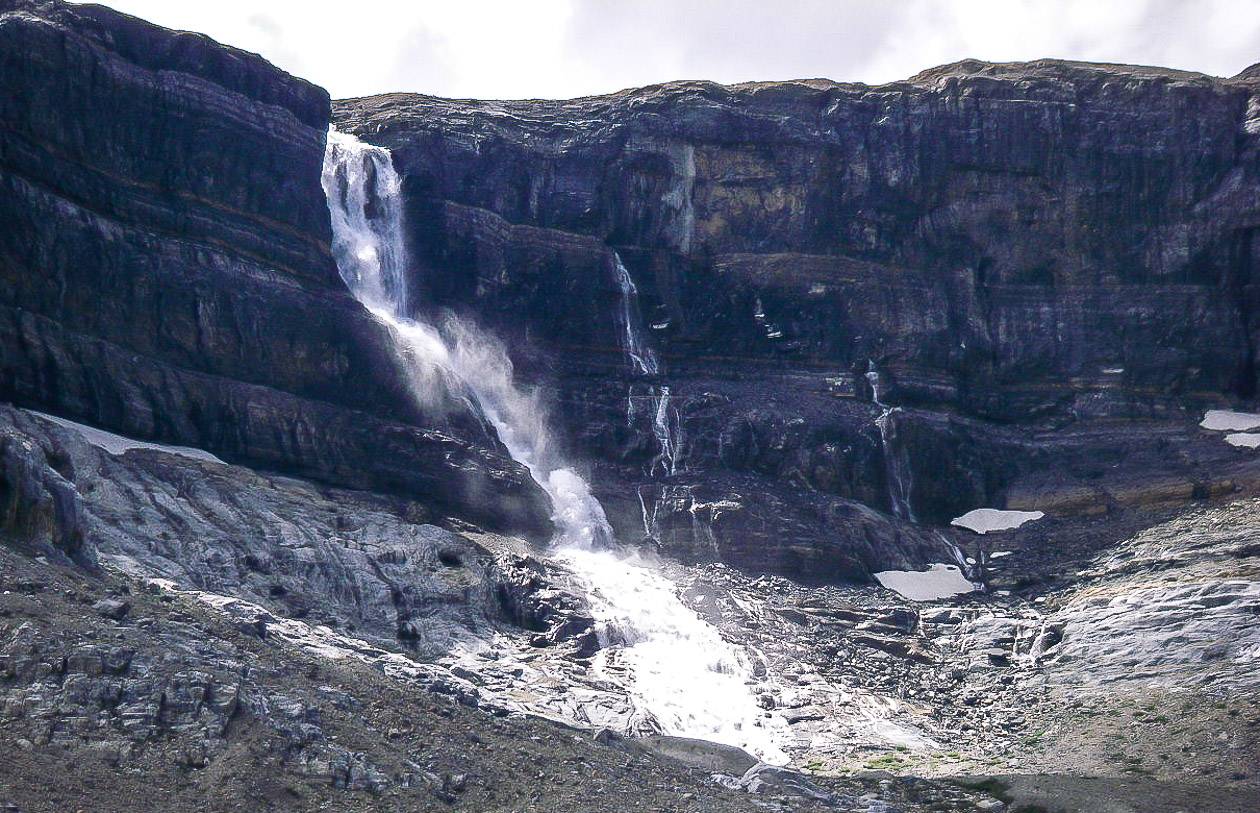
x=789 y=330
x=165 y=271
x=1045 y=265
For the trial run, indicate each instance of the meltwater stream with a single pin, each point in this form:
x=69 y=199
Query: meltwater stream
x=682 y=673
x=895 y=467
x=665 y=422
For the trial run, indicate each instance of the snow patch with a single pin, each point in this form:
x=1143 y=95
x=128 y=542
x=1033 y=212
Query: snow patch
x=938 y=581
x=984 y=520
x=117 y=444
x=1246 y=440
x=1223 y=420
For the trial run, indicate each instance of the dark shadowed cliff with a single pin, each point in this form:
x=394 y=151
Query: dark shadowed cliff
x=786 y=331
x=1048 y=265
x=165 y=270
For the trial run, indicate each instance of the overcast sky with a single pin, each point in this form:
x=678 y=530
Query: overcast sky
x=563 y=48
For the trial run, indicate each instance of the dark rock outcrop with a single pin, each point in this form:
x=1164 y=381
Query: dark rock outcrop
x=940 y=226
x=530 y=601
x=1048 y=265
x=39 y=507
x=165 y=270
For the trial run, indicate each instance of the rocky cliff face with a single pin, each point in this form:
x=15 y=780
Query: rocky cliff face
x=165 y=270
x=790 y=327
x=1007 y=258
x=1020 y=254
x=935 y=226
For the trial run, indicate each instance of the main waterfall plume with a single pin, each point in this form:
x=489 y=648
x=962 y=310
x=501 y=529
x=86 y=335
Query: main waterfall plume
x=685 y=677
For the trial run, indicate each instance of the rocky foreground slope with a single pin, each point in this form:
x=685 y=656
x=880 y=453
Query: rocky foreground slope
x=790 y=329
x=172 y=622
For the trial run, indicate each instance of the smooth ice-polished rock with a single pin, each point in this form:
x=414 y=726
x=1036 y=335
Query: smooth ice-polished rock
x=358 y=561
x=165 y=270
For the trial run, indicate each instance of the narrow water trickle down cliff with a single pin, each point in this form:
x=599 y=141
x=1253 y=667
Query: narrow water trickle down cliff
x=662 y=413
x=641 y=355
x=682 y=674
x=896 y=467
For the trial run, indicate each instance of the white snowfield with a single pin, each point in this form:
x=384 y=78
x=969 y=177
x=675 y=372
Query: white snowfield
x=117 y=444
x=938 y=581
x=1246 y=440
x=1223 y=420
x=984 y=520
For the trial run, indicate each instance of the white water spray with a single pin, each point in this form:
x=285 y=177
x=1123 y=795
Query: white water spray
x=896 y=470
x=682 y=673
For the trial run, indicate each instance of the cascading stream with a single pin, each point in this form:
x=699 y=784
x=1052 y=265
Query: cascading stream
x=665 y=423
x=642 y=358
x=683 y=674
x=895 y=468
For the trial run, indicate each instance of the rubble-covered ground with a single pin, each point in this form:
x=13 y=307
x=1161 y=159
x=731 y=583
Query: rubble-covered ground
x=178 y=633
x=120 y=696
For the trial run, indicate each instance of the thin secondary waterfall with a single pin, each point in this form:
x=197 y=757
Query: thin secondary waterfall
x=657 y=407
x=683 y=674
x=640 y=353
x=666 y=427
x=895 y=468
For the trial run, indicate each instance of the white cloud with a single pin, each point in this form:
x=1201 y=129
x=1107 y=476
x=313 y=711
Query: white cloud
x=560 y=48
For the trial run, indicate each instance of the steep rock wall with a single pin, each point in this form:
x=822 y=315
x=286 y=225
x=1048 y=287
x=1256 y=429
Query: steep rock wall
x=165 y=270
x=1049 y=266
x=938 y=226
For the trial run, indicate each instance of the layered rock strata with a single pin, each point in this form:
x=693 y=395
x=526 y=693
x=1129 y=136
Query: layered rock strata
x=165 y=270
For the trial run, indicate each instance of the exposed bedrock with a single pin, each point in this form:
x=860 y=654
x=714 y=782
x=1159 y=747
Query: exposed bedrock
x=1047 y=268
x=165 y=269
x=366 y=563
x=866 y=310
x=1011 y=239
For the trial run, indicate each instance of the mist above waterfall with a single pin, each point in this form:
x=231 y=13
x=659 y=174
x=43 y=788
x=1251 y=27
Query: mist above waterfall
x=685 y=678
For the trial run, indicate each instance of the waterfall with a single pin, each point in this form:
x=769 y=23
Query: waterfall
x=642 y=359
x=666 y=427
x=665 y=424
x=668 y=432
x=683 y=674
x=896 y=469
x=365 y=205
